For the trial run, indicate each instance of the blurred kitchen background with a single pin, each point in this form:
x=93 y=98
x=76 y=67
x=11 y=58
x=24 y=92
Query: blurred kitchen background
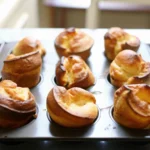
x=77 y=13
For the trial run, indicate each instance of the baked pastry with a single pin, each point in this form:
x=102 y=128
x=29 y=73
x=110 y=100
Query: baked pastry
x=73 y=41
x=74 y=107
x=132 y=106
x=23 y=69
x=72 y=71
x=27 y=45
x=17 y=105
x=129 y=68
x=116 y=40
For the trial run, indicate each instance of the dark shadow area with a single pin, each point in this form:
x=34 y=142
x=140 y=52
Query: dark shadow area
x=76 y=145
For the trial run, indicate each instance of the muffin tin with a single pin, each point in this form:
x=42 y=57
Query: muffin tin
x=104 y=127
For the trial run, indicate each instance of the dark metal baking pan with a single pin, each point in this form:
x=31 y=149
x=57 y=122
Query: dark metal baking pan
x=104 y=128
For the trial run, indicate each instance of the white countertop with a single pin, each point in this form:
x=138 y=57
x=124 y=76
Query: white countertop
x=49 y=33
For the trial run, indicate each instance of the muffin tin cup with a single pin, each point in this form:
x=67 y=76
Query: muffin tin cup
x=111 y=109
x=77 y=128
x=38 y=84
x=55 y=83
x=32 y=119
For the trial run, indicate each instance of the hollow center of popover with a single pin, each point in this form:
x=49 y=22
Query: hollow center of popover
x=139 y=99
x=75 y=70
x=143 y=94
x=10 y=90
x=77 y=102
x=120 y=41
x=123 y=39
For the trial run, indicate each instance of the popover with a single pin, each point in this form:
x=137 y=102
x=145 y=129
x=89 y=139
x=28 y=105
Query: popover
x=117 y=40
x=23 y=69
x=17 y=105
x=72 y=71
x=132 y=106
x=73 y=41
x=74 y=107
x=129 y=68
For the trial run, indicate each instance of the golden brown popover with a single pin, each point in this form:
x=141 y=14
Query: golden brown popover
x=72 y=71
x=132 y=106
x=23 y=69
x=129 y=68
x=74 y=107
x=17 y=105
x=116 y=40
x=27 y=45
x=73 y=41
